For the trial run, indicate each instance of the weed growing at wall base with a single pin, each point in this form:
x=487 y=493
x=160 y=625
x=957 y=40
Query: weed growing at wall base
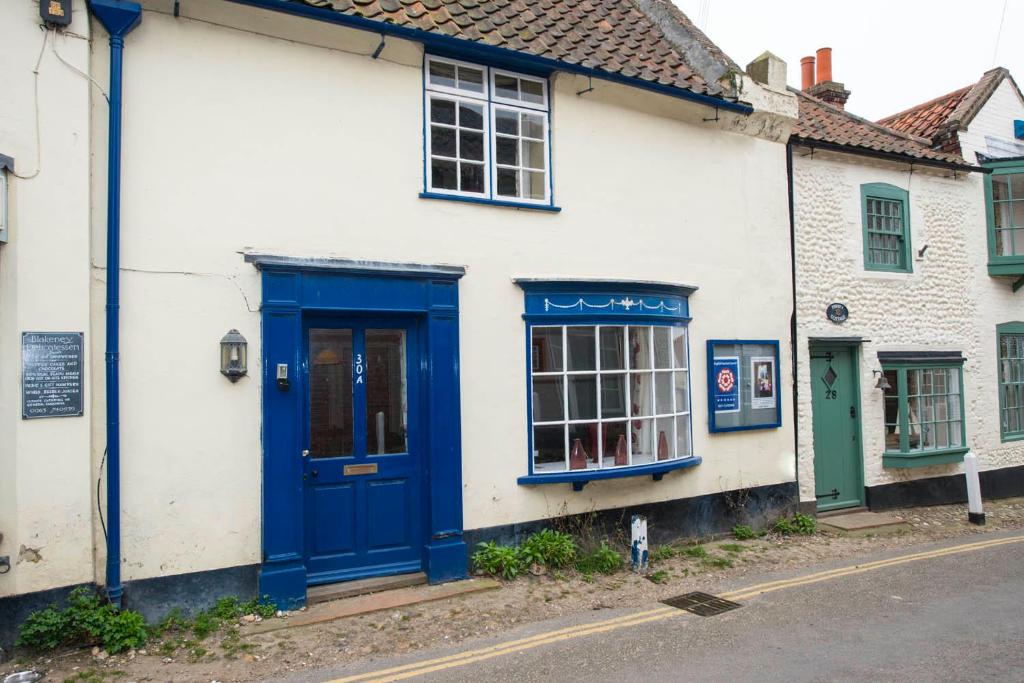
x=85 y=621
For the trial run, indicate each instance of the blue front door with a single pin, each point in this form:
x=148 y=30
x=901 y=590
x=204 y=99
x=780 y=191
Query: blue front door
x=362 y=460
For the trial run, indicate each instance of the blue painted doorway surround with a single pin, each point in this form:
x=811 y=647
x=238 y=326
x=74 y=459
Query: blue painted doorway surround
x=423 y=298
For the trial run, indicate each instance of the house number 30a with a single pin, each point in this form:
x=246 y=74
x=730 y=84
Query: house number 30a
x=359 y=368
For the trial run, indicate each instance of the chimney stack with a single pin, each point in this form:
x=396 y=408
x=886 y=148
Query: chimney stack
x=820 y=84
x=806 y=73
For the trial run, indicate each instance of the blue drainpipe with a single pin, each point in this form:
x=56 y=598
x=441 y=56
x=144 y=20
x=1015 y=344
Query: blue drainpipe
x=119 y=18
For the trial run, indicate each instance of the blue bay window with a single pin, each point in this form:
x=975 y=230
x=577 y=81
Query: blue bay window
x=608 y=380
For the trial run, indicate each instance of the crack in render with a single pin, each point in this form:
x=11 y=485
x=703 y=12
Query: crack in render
x=230 y=278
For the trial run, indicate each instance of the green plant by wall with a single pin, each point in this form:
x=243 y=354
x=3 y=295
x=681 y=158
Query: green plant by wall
x=85 y=621
x=550 y=548
x=498 y=560
x=742 y=532
x=602 y=560
x=801 y=524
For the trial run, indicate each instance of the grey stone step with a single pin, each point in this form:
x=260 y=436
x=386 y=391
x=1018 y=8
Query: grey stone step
x=349 y=589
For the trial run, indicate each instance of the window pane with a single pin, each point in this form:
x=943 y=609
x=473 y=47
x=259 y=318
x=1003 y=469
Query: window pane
x=682 y=390
x=612 y=357
x=549 y=449
x=679 y=347
x=683 y=436
x=1017 y=185
x=663 y=393
x=535 y=184
x=471 y=79
x=583 y=438
x=616 y=444
x=385 y=392
x=443 y=175
x=639 y=347
x=506 y=121
x=546 y=349
x=892 y=415
x=471 y=116
x=442 y=74
x=471 y=177
x=613 y=396
x=640 y=394
x=506 y=86
x=533 y=126
x=442 y=111
x=533 y=154
x=330 y=393
x=581 y=348
x=1001 y=188
x=664 y=438
x=508 y=182
x=643 y=439
x=533 y=91
x=662 y=347
x=583 y=397
x=442 y=141
x=548 y=399
x=506 y=151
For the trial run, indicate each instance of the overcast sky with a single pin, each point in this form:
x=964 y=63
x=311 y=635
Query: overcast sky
x=890 y=54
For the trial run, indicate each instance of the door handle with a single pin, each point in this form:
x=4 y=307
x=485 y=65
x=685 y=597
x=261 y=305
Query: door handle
x=313 y=473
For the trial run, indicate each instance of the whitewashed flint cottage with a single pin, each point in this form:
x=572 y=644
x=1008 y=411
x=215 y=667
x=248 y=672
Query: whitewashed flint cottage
x=319 y=290
x=909 y=344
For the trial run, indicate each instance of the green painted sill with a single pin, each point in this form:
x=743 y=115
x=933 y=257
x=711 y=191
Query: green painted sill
x=906 y=460
x=1012 y=436
x=1006 y=266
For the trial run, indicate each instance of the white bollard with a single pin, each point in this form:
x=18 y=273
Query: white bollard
x=639 y=544
x=975 y=513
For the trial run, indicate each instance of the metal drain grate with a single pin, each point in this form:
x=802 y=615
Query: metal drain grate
x=701 y=604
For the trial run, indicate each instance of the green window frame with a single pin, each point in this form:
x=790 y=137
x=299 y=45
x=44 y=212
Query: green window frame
x=924 y=413
x=1004 y=209
x=885 y=217
x=1010 y=355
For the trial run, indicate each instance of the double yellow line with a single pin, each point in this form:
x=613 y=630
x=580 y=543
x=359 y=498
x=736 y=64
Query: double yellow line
x=399 y=673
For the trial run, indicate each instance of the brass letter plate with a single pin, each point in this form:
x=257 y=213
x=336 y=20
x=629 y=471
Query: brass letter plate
x=354 y=470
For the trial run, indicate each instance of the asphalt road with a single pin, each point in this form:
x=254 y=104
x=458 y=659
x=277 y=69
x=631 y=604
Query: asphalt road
x=954 y=614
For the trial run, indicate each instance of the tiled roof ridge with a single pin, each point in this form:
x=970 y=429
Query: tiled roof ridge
x=978 y=96
x=924 y=105
x=698 y=50
x=877 y=126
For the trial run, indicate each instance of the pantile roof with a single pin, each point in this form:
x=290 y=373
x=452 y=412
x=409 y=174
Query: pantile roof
x=650 y=40
x=939 y=120
x=821 y=122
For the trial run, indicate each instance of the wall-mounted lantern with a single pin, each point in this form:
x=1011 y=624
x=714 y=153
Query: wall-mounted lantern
x=233 y=355
x=6 y=168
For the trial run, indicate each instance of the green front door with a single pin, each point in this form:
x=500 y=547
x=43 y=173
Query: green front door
x=835 y=399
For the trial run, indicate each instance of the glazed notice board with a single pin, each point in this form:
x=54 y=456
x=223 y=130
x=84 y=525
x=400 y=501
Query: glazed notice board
x=743 y=385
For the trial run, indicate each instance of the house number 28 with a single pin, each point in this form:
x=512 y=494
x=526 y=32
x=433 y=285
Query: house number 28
x=359 y=368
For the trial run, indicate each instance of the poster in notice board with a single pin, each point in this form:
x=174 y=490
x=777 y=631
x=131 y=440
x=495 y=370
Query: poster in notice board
x=743 y=385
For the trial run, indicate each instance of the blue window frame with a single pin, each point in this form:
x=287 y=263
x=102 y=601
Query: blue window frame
x=608 y=380
x=486 y=134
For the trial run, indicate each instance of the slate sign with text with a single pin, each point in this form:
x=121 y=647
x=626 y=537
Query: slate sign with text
x=51 y=374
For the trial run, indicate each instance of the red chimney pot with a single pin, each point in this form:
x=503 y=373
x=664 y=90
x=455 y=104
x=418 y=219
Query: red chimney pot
x=806 y=72
x=824 y=65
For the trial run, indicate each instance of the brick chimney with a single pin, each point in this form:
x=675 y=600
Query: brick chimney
x=817 y=79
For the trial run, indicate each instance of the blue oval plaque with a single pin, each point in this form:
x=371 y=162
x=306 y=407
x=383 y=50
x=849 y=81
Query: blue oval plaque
x=837 y=313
